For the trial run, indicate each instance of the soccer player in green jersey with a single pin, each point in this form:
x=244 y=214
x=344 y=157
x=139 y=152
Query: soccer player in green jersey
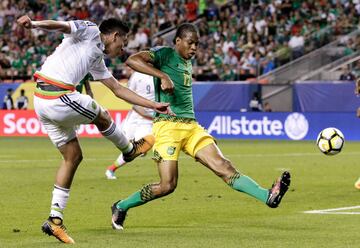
x=172 y=70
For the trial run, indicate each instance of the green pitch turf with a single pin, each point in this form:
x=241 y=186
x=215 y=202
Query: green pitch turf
x=202 y=212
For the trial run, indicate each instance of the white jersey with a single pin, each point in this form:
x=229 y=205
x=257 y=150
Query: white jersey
x=136 y=126
x=79 y=53
x=143 y=85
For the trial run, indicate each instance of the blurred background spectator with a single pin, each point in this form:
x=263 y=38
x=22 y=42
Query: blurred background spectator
x=240 y=40
x=8 y=102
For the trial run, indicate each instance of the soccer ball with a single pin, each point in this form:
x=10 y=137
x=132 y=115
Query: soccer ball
x=330 y=141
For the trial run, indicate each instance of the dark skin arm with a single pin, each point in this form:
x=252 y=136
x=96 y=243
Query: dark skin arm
x=143 y=62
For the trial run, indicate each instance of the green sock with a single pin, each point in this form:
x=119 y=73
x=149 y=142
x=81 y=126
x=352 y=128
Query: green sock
x=245 y=184
x=133 y=200
x=137 y=199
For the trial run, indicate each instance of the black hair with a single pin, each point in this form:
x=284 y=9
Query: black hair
x=183 y=29
x=114 y=25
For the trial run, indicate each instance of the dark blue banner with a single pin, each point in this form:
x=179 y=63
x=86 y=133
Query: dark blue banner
x=281 y=126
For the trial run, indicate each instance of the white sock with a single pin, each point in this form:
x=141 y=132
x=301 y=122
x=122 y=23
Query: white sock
x=114 y=134
x=59 y=201
x=120 y=161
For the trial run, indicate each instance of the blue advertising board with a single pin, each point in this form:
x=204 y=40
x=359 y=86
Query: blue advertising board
x=280 y=126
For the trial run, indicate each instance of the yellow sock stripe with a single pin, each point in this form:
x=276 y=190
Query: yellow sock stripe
x=146 y=193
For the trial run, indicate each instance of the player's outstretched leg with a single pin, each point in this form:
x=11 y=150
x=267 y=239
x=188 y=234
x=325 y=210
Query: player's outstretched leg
x=54 y=227
x=357 y=183
x=278 y=190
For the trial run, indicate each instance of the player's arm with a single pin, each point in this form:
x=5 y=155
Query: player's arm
x=133 y=98
x=143 y=62
x=48 y=25
x=142 y=112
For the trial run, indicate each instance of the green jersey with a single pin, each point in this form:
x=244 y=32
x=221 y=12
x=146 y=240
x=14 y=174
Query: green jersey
x=167 y=60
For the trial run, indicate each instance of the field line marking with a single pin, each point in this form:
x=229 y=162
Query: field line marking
x=334 y=210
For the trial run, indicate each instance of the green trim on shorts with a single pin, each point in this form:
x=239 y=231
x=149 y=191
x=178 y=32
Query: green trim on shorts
x=174 y=119
x=157 y=157
x=52 y=93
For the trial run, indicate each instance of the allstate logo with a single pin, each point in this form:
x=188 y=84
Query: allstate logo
x=296 y=126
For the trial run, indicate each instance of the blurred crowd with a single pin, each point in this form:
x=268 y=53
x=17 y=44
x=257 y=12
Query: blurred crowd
x=239 y=39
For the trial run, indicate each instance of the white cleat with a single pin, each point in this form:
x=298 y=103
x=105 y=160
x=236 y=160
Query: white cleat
x=110 y=175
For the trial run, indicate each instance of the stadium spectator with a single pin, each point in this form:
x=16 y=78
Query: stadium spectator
x=260 y=26
x=267 y=107
x=347 y=75
x=22 y=101
x=255 y=103
x=8 y=102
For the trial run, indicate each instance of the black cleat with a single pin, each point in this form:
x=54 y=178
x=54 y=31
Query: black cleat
x=278 y=190
x=140 y=147
x=118 y=217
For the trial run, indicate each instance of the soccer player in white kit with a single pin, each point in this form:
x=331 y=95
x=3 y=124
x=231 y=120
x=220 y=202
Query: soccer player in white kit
x=60 y=108
x=138 y=122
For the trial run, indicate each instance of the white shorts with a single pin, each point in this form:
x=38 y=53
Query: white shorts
x=135 y=127
x=60 y=116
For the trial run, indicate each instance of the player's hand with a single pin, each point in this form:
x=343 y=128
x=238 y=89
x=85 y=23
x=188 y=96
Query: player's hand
x=167 y=84
x=25 y=21
x=357 y=86
x=163 y=108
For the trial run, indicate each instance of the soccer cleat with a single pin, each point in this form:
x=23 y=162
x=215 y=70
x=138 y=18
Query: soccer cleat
x=357 y=184
x=278 y=190
x=140 y=146
x=110 y=175
x=118 y=217
x=57 y=230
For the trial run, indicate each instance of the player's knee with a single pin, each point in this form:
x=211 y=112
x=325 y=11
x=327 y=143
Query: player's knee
x=167 y=188
x=103 y=120
x=77 y=158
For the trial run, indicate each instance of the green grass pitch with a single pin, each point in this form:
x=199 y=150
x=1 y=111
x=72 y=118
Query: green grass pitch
x=202 y=212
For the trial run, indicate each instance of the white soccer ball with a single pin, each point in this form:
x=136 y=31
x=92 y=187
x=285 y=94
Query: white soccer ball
x=330 y=141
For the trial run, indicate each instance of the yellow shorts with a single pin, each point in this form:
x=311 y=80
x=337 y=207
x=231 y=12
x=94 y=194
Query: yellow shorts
x=172 y=137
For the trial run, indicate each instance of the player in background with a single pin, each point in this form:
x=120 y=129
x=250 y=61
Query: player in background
x=172 y=70
x=357 y=92
x=22 y=101
x=138 y=122
x=61 y=108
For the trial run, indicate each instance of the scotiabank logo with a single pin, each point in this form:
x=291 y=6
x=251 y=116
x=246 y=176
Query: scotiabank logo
x=295 y=126
x=26 y=123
